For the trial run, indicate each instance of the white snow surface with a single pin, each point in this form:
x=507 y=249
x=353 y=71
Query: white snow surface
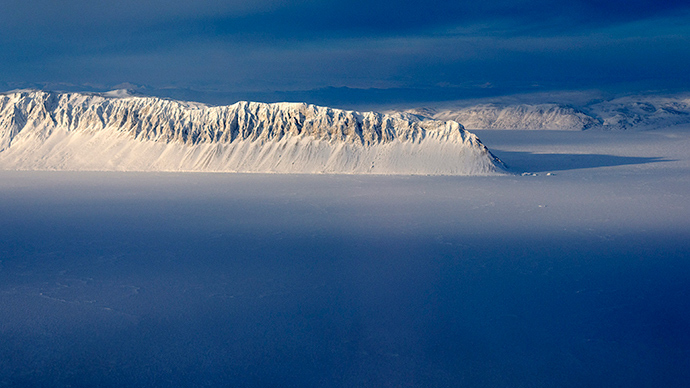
x=575 y=274
x=639 y=112
x=117 y=131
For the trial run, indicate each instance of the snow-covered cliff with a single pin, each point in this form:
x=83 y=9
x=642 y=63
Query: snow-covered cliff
x=73 y=131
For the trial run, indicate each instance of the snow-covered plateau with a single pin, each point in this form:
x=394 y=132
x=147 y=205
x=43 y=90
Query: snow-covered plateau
x=119 y=132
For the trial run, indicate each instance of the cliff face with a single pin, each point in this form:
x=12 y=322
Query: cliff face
x=42 y=130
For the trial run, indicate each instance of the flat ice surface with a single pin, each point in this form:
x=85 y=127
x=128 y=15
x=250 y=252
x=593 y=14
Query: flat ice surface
x=575 y=274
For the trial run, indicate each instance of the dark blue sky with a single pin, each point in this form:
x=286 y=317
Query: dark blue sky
x=345 y=52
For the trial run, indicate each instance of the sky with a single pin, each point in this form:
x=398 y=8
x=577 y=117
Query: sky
x=345 y=52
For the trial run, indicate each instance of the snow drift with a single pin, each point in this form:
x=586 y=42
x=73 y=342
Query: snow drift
x=72 y=131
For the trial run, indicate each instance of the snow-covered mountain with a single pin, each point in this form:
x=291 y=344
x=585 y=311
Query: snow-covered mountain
x=631 y=112
x=643 y=112
x=523 y=116
x=117 y=131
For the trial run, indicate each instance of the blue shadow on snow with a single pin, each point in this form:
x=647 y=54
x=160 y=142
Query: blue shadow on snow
x=535 y=162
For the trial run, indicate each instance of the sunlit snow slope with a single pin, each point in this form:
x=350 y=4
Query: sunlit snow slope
x=71 y=131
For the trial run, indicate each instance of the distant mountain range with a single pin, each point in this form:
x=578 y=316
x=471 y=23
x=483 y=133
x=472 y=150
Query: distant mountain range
x=634 y=112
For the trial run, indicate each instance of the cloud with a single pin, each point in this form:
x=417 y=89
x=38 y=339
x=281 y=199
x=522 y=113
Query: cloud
x=272 y=45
